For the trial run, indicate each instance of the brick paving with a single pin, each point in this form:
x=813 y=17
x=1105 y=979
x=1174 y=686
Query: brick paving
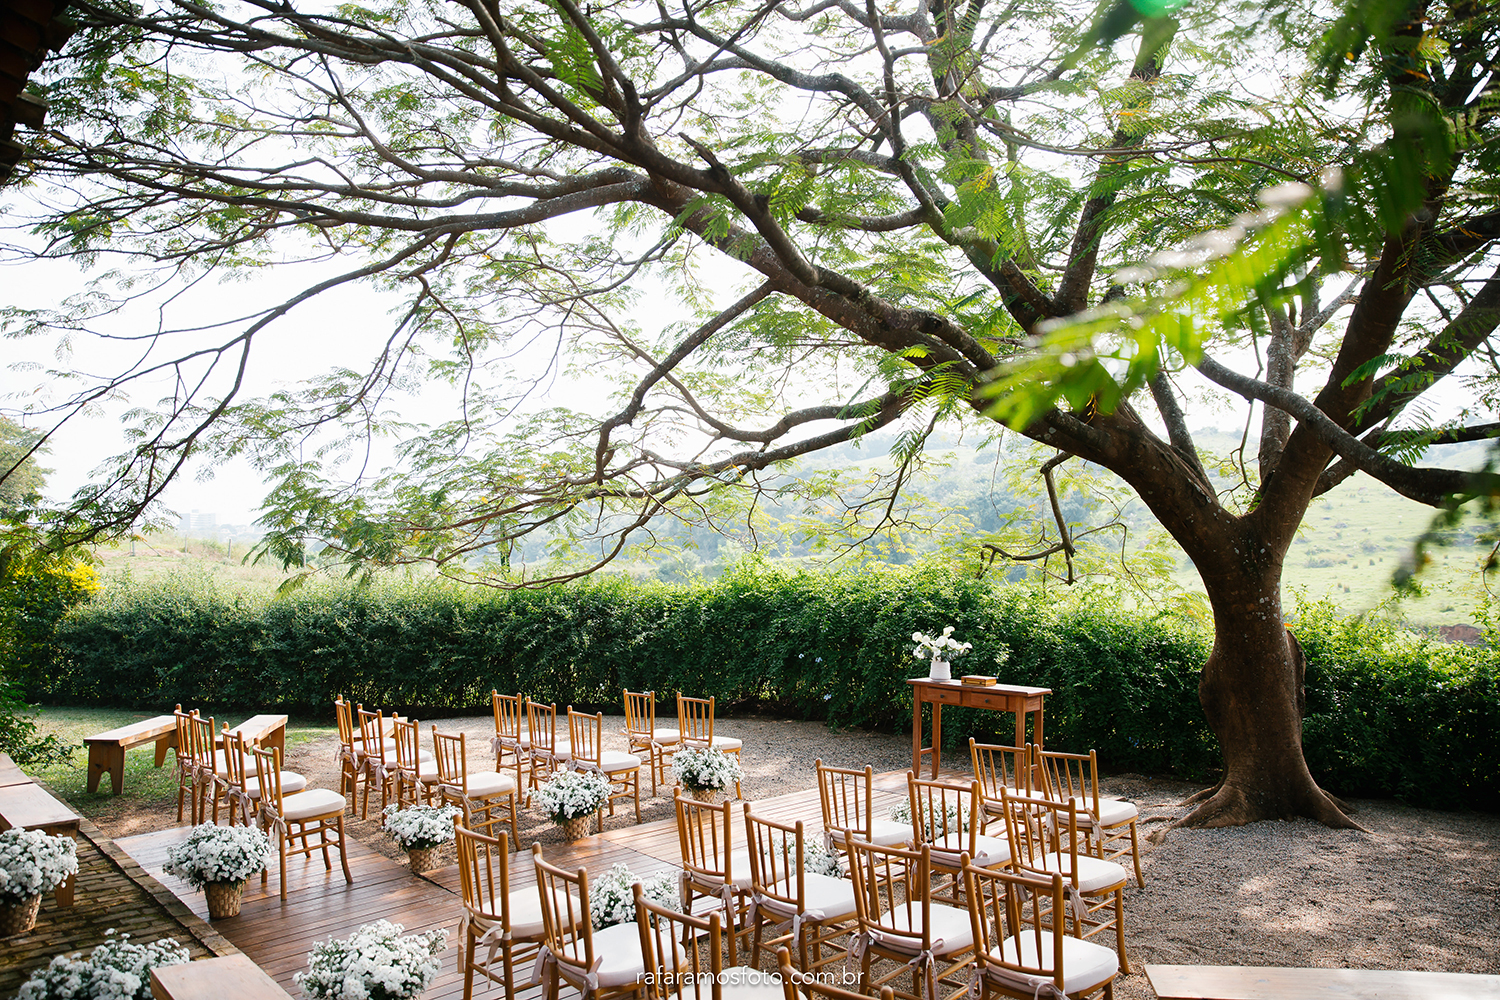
x=112 y=891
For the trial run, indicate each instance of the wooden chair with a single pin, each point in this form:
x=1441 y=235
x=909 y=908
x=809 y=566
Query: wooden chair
x=711 y=867
x=512 y=746
x=1110 y=821
x=599 y=964
x=1021 y=948
x=351 y=762
x=586 y=739
x=547 y=753
x=899 y=922
x=848 y=800
x=795 y=985
x=186 y=787
x=487 y=798
x=695 y=724
x=299 y=816
x=244 y=792
x=1045 y=838
x=684 y=955
x=806 y=911
x=949 y=819
x=998 y=766
x=643 y=735
x=498 y=921
x=377 y=752
x=208 y=768
x=415 y=768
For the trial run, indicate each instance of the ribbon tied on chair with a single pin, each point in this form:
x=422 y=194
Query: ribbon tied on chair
x=494 y=937
x=241 y=800
x=272 y=822
x=546 y=961
x=499 y=744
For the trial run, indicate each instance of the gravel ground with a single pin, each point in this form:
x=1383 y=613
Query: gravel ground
x=1420 y=890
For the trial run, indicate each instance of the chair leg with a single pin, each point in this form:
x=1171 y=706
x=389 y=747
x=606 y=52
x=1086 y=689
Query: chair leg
x=343 y=854
x=468 y=947
x=282 y=842
x=1120 y=930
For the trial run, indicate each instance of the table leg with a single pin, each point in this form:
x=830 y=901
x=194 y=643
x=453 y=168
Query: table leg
x=63 y=894
x=916 y=733
x=937 y=736
x=277 y=739
x=167 y=741
x=1021 y=727
x=105 y=758
x=1036 y=734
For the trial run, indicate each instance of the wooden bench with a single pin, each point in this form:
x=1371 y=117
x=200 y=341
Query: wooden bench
x=29 y=806
x=228 y=976
x=1239 y=982
x=267 y=730
x=10 y=774
x=107 y=750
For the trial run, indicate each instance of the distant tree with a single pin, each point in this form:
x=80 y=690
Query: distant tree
x=21 y=479
x=1041 y=213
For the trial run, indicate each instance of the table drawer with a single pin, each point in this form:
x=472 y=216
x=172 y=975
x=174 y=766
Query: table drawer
x=999 y=702
x=945 y=696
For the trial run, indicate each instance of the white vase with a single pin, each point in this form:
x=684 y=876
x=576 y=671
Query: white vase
x=940 y=671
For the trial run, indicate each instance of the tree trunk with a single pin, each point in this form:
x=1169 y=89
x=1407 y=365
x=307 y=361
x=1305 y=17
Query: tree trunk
x=1252 y=693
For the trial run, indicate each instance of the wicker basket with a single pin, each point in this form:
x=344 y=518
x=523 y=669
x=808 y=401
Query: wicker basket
x=19 y=916
x=713 y=796
x=223 y=899
x=577 y=827
x=422 y=859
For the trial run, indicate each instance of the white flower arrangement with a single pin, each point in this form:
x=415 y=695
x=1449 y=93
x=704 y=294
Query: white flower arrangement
x=819 y=860
x=31 y=863
x=612 y=900
x=376 y=962
x=957 y=819
x=116 y=970
x=572 y=794
x=418 y=827
x=219 y=854
x=707 y=768
x=940 y=647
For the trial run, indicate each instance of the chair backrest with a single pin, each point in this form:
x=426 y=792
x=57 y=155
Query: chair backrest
x=892 y=894
x=184 y=733
x=1009 y=910
x=586 y=734
x=940 y=809
x=268 y=775
x=1069 y=776
x=452 y=760
x=998 y=766
x=234 y=758
x=640 y=714
x=1044 y=835
x=345 y=716
x=204 y=742
x=372 y=735
x=508 y=709
x=794 y=981
x=566 y=926
x=776 y=875
x=703 y=833
x=848 y=804
x=674 y=971
x=484 y=874
x=695 y=720
x=408 y=743
x=541 y=726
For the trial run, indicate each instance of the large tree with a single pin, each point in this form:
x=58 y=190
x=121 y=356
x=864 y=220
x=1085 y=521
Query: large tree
x=882 y=215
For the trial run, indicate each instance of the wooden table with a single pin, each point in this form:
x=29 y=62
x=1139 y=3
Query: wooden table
x=228 y=976
x=996 y=697
x=31 y=807
x=1238 y=982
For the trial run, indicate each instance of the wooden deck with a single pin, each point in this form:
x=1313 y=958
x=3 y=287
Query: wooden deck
x=320 y=905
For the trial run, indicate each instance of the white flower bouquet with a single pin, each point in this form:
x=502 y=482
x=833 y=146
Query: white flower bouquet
x=572 y=794
x=31 y=863
x=940 y=647
x=612 y=899
x=376 y=962
x=418 y=827
x=819 y=860
x=116 y=970
x=706 y=769
x=956 y=819
x=224 y=854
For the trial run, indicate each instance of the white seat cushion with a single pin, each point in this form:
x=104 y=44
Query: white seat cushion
x=563 y=750
x=727 y=743
x=951 y=930
x=1094 y=875
x=739 y=868
x=313 y=802
x=388 y=743
x=221 y=763
x=889 y=833
x=291 y=782
x=484 y=784
x=613 y=760
x=525 y=913
x=989 y=851
x=1113 y=812
x=1085 y=964
x=667 y=736
x=427 y=771
x=620 y=948
x=827 y=898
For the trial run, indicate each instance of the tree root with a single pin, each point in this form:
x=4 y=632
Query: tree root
x=1228 y=805
x=1202 y=796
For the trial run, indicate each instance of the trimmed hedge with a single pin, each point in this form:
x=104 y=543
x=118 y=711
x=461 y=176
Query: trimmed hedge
x=1387 y=715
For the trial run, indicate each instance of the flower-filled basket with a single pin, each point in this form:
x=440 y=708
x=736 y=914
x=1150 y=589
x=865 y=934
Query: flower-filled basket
x=706 y=772
x=571 y=797
x=419 y=831
x=218 y=860
x=376 y=961
x=612 y=898
x=31 y=863
x=116 y=970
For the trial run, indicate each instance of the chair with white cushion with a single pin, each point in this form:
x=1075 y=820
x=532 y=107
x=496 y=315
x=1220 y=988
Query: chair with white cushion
x=548 y=752
x=598 y=964
x=1110 y=821
x=848 y=800
x=499 y=922
x=415 y=768
x=487 y=798
x=1046 y=837
x=997 y=766
x=806 y=911
x=244 y=786
x=711 y=865
x=621 y=770
x=300 y=816
x=186 y=765
x=695 y=725
x=511 y=742
x=377 y=748
x=900 y=924
x=351 y=751
x=1020 y=950
x=684 y=955
x=643 y=735
x=949 y=818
